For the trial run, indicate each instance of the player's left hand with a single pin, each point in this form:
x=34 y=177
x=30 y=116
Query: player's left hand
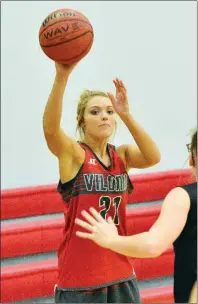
x=120 y=100
x=100 y=231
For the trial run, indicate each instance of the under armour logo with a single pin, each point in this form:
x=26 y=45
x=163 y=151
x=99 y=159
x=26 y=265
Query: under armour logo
x=92 y=161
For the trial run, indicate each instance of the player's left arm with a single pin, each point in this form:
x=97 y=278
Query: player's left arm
x=145 y=153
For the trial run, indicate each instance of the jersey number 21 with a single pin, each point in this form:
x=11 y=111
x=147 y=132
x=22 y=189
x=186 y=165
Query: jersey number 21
x=107 y=201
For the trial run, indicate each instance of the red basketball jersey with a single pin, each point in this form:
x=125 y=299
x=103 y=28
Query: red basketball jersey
x=82 y=264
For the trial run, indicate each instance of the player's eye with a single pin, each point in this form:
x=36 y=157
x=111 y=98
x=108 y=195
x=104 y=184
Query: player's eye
x=94 y=112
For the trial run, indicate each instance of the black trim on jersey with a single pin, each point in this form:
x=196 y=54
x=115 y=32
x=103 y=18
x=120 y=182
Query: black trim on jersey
x=102 y=164
x=114 y=148
x=64 y=186
x=67 y=186
x=68 y=189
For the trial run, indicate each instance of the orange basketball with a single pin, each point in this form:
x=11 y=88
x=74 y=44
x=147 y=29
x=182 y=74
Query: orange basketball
x=66 y=36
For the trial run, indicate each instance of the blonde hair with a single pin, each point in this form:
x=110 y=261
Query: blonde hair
x=84 y=99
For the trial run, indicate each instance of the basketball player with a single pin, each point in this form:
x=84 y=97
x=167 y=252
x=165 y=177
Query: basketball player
x=177 y=225
x=92 y=172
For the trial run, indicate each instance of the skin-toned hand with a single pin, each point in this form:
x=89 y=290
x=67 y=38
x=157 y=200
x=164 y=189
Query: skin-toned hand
x=120 y=100
x=100 y=231
x=64 y=69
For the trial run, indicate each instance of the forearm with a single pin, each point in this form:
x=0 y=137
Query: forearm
x=137 y=246
x=144 y=141
x=53 y=109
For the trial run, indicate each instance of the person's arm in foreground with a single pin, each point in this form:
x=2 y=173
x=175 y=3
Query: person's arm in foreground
x=153 y=243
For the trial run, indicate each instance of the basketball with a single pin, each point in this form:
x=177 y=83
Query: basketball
x=66 y=36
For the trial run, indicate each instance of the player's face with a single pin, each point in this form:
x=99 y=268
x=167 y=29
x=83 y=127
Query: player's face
x=99 y=117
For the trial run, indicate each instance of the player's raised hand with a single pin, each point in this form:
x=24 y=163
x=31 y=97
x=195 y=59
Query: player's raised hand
x=64 y=70
x=120 y=100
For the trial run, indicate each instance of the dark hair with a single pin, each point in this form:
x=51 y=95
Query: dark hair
x=193 y=146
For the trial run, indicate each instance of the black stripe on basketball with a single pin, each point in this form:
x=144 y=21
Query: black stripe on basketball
x=84 y=51
x=60 y=21
x=48 y=46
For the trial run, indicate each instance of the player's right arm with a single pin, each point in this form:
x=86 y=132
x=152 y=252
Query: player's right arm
x=66 y=149
x=160 y=237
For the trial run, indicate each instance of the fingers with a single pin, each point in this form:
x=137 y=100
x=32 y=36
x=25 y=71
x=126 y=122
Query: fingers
x=97 y=215
x=111 y=97
x=119 y=84
x=122 y=85
x=73 y=65
x=61 y=65
x=84 y=225
x=109 y=220
x=65 y=66
x=116 y=83
x=84 y=235
x=90 y=219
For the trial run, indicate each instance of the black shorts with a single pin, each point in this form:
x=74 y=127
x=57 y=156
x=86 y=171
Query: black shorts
x=126 y=292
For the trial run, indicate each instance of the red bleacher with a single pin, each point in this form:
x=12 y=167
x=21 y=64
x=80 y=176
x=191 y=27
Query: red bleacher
x=44 y=199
